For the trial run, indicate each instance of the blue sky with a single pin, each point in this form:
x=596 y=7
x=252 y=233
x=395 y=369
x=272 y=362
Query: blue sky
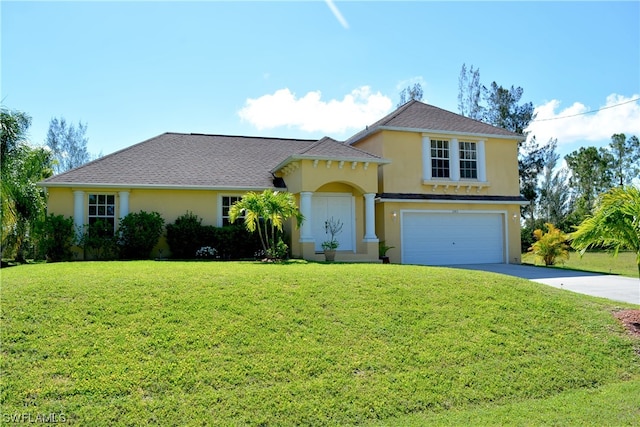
x=133 y=70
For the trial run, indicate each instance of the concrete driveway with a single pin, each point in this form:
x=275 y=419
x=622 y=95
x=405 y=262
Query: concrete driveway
x=617 y=288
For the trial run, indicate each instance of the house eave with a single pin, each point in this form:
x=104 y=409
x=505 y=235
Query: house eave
x=439 y=132
x=294 y=158
x=77 y=185
x=442 y=199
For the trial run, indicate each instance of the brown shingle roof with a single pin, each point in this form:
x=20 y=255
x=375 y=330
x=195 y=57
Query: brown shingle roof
x=417 y=116
x=330 y=149
x=196 y=160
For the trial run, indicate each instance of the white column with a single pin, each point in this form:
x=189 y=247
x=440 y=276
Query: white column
x=426 y=158
x=454 y=160
x=370 y=218
x=306 y=234
x=78 y=211
x=482 y=170
x=124 y=204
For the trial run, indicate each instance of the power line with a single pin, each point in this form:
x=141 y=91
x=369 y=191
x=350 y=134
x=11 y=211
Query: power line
x=586 y=112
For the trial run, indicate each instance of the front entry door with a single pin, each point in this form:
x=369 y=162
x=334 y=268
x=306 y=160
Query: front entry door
x=339 y=206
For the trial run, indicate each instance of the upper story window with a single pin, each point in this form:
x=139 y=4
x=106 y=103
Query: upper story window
x=453 y=160
x=227 y=202
x=102 y=207
x=439 y=158
x=468 y=160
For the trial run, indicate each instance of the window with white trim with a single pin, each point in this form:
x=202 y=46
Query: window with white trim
x=468 y=160
x=227 y=202
x=440 y=158
x=453 y=160
x=102 y=207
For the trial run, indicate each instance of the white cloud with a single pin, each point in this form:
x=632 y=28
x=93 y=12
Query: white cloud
x=619 y=114
x=310 y=113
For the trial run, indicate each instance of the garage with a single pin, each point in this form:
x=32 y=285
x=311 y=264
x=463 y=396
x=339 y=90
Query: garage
x=453 y=237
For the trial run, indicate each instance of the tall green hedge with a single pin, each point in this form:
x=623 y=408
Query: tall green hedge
x=57 y=236
x=187 y=234
x=139 y=233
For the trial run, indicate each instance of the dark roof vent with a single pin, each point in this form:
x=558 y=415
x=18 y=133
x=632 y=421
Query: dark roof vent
x=279 y=182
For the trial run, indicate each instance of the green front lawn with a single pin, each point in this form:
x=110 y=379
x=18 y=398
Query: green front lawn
x=197 y=343
x=600 y=262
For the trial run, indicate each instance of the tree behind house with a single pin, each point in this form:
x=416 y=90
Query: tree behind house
x=68 y=144
x=625 y=158
x=470 y=92
x=410 y=93
x=591 y=175
x=503 y=109
x=553 y=206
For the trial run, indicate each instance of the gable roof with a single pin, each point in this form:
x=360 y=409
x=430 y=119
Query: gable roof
x=330 y=149
x=201 y=161
x=420 y=117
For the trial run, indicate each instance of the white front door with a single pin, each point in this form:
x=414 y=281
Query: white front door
x=340 y=206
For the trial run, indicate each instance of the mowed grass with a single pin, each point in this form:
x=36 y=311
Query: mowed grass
x=623 y=264
x=178 y=343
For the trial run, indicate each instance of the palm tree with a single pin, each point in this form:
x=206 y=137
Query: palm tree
x=550 y=245
x=22 y=203
x=266 y=212
x=615 y=223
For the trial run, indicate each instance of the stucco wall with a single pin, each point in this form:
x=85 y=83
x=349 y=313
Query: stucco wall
x=60 y=201
x=405 y=173
x=310 y=176
x=169 y=203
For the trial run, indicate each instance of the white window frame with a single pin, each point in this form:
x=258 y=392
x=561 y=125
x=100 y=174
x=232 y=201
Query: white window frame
x=454 y=160
x=471 y=157
x=107 y=214
x=221 y=216
x=447 y=158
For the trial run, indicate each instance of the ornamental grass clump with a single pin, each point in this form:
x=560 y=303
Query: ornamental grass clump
x=550 y=246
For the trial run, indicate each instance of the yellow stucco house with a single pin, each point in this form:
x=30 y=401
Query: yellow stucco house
x=441 y=188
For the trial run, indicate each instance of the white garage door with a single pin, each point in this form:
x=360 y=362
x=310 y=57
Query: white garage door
x=431 y=238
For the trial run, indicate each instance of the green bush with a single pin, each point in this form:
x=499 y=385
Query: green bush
x=278 y=251
x=98 y=241
x=139 y=233
x=184 y=236
x=526 y=233
x=526 y=239
x=187 y=234
x=57 y=236
x=235 y=242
